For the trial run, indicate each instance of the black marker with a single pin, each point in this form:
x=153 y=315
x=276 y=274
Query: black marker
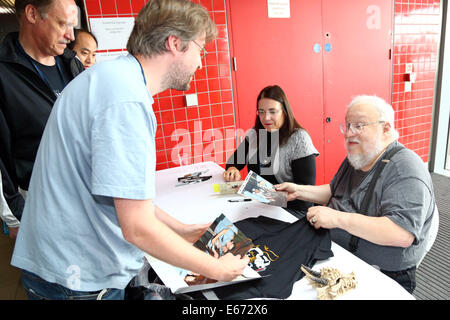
x=239 y=200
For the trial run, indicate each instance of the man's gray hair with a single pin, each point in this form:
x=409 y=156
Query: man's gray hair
x=383 y=108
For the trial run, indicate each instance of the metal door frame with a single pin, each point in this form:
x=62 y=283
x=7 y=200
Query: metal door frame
x=439 y=142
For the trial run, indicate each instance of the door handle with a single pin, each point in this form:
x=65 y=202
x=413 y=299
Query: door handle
x=328 y=120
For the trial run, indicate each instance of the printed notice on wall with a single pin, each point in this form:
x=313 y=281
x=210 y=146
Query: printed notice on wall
x=279 y=8
x=112 y=33
x=104 y=56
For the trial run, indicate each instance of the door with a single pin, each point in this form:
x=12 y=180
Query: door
x=327 y=52
x=278 y=51
x=357 y=37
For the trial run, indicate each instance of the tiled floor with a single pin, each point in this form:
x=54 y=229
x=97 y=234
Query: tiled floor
x=10 y=286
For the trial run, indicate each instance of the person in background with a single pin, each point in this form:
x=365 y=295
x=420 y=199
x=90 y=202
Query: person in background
x=93 y=183
x=85 y=46
x=283 y=152
x=35 y=66
x=6 y=214
x=393 y=232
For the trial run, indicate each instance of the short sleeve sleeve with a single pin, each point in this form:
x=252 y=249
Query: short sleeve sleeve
x=123 y=152
x=302 y=145
x=406 y=202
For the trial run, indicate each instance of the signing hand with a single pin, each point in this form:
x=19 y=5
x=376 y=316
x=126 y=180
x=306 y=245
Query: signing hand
x=232 y=266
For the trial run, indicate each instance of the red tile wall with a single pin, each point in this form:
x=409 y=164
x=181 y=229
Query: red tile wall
x=205 y=132
x=416 y=41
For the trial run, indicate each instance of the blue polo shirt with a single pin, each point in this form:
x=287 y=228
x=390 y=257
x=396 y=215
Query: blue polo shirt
x=98 y=145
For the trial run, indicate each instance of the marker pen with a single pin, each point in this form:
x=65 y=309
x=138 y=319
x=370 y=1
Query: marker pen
x=239 y=200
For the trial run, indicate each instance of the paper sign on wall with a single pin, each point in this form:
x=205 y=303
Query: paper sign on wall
x=104 y=56
x=112 y=33
x=279 y=8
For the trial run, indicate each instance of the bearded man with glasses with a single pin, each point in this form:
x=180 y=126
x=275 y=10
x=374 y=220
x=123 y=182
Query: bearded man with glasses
x=90 y=215
x=390 y=228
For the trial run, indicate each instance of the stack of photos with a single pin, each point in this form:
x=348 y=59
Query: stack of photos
x=219 y=239
x=258 y=188
x=191 y=178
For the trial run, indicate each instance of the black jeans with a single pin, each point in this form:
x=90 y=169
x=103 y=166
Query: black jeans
x=406 y=278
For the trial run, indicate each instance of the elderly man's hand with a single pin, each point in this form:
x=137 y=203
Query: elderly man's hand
x=290 y=188
x=322 y=217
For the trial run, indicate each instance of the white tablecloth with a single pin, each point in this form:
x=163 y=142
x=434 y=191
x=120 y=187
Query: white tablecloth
x=197 y=203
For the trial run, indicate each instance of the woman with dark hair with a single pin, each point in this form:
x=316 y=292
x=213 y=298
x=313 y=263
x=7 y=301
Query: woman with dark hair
x=278 y=148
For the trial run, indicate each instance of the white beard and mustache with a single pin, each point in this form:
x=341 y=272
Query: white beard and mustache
x=369 y=153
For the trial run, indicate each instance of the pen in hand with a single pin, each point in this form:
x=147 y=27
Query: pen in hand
x=239 y=200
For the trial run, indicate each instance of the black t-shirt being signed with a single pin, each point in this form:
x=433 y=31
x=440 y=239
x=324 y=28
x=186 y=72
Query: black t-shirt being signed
x=281 y=248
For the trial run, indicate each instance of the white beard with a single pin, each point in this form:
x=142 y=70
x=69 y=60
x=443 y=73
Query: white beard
x=367 y=156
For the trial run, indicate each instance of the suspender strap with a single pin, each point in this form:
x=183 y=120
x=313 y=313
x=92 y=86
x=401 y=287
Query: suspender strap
x=354 y=240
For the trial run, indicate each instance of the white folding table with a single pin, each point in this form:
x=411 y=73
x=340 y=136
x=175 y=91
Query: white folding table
x=197 y=203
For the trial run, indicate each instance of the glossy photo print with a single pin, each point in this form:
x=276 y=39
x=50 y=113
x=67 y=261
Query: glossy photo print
x=262 y=190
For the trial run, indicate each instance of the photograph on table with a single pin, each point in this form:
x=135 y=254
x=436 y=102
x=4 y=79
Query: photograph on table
x=220 y=238
x=258 y=188
x=223 y=237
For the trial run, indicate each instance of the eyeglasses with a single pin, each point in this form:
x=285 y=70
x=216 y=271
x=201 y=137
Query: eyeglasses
x=262 y=113
x=357 y=128
x=203 y=53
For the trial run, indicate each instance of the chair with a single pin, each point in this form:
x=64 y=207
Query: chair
x=433 y=233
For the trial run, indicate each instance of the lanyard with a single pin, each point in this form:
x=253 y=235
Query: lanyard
x=39 y=71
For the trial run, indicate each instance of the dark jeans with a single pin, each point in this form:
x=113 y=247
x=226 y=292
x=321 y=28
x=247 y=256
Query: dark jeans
x=39 y=289
x=406 y=278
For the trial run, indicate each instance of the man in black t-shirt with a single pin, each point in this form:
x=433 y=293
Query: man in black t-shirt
x=35 y=66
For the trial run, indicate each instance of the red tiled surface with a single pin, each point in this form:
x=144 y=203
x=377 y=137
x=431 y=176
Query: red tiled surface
x=108 y=7
x=209 y=127
x=93 y=7
x=206 y=132
x=124 y=7
x=416 y=41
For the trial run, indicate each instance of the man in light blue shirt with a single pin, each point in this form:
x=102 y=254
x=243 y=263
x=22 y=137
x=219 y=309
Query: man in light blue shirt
x=89 y=214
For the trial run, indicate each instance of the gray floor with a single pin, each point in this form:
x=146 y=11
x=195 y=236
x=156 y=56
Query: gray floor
x=434 y=271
